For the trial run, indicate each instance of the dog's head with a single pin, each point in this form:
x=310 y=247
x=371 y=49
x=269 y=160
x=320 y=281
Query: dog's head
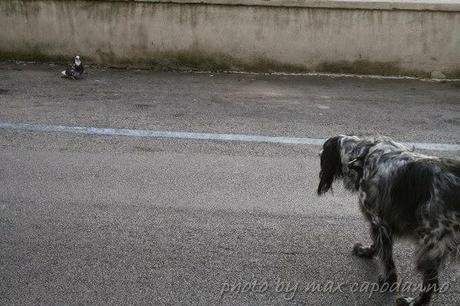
x=342 y=157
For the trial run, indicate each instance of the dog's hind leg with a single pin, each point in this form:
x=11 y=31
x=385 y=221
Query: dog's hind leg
x=431 y=254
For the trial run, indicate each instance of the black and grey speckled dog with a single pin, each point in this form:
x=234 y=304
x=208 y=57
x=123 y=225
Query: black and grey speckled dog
x=401 y=194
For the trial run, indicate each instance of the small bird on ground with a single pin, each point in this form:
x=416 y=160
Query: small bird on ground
x=75 y=70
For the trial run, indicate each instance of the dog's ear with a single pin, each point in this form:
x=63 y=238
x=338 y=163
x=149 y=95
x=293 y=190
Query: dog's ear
x=331 y=164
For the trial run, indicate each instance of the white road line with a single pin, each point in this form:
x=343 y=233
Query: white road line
x=198 y=136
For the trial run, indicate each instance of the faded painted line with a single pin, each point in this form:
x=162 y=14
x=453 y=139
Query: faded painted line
x=197 y=136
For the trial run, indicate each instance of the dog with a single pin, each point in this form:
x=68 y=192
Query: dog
x=402 y=194
x=75 y=70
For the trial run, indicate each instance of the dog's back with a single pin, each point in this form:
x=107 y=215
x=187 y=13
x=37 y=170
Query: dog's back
x=424 y=192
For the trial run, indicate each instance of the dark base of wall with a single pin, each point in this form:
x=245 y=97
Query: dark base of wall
x=198 y=61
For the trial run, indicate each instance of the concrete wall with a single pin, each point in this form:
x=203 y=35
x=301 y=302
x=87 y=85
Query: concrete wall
x=381 y=37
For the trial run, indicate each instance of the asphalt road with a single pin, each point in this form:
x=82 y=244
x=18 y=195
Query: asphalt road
x=88 y=219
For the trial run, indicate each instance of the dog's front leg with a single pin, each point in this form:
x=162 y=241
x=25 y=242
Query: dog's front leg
x=383 y=239
x=362 y=251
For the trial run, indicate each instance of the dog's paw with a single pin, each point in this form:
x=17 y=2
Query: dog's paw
x=405 y=301
x=362 y=251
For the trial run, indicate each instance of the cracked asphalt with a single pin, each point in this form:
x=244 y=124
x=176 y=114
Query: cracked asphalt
x=115 y=220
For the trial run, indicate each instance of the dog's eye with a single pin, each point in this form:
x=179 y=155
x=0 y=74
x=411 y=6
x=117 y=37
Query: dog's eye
x=320 y=152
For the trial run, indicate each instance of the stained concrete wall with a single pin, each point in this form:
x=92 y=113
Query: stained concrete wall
x=383 y=37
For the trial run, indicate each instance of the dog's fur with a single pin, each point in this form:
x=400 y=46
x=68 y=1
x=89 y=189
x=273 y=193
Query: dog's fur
x=401 y=194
